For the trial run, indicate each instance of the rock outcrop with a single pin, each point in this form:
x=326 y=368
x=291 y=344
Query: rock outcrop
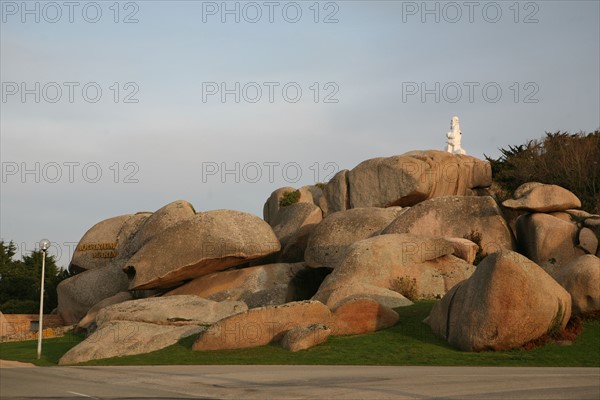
x=329 y=241
x=121 y=338
x=259 y=286
x=79 y=293
x=581 y=278
x=357 y=316
x=464 y=249
x=172 y=310
x=507 y=302
x=292 y=218
x=548 y=241
x=261 y=326
x=416 y=267
x=335 y=258
x=305 y=337
x=478 y=219
x=159 y=221
x=588 y=241
x=403 y=180
x=538 y=197
x=306 y=194
x=208 y=242
x=103 y=242
x=297 y=325
x=146 y=325
x=335 y=194
x=295 y=246
x=410 y=178
x=89 y=321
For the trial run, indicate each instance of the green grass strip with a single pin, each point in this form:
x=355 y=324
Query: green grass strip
x=410 y=342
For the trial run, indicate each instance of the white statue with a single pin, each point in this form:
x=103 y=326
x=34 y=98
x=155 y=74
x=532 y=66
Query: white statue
x=454 y=137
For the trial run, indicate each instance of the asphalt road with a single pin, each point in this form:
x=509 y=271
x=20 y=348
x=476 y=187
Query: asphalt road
x=299 y=382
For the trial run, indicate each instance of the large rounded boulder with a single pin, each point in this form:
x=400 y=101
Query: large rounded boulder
x=581 y=278
x=259 y=286
x=405 y=180
x=100 y=245
x=292 y=218
x=538 y=197
x=205 y=243
x=281 y=199
x=335 y=194
x=394 y=265
x=507 y=302
x=159 y=221
x=549 y=241
x=330 y=239
x=477 y=218
x=261 y=326
x=78 y=294
x=172 y=310
x=146 y=325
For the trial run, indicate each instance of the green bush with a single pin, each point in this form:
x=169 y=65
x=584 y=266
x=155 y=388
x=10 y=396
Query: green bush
x=20 y=307
x=568 y=160
x=289 y=198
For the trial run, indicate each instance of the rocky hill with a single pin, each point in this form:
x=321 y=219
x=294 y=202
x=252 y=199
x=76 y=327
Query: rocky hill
x=336 y=259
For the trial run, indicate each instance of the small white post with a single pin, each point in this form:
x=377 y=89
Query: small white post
x=44 y=245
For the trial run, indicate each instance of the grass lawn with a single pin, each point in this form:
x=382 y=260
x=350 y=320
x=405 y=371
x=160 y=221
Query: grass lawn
x=410 y=342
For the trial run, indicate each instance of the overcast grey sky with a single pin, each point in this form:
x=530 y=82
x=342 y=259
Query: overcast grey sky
x=110 y=108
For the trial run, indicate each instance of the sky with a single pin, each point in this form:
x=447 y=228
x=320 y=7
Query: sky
x=110 y=108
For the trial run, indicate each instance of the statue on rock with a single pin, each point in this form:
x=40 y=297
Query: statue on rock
x=454 y=137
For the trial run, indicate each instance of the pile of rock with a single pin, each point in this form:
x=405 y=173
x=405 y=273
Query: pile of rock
x=297 y=325
x=552 y=231
x=336 y=261
x=514 y=298
x=145 y=325
x=561 y=239
x=159 y=251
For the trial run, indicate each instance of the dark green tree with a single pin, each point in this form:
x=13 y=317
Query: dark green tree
x=20 y=281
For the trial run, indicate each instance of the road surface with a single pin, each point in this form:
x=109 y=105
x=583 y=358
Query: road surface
x=299 y=382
